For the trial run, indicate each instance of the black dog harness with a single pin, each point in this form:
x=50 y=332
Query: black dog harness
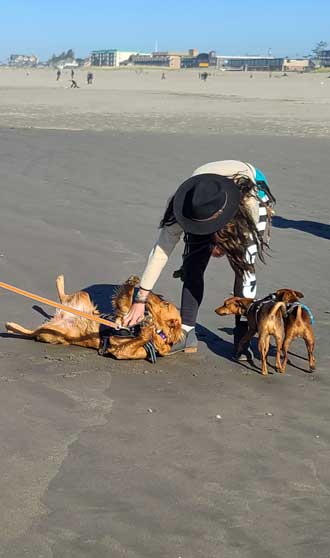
x=127 y=333
x=256 y=305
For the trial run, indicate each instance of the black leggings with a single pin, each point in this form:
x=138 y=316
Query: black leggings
x=196 y=258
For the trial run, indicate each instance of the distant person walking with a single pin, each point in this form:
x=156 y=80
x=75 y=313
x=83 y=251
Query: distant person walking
x=72 y=74
x=89 y=78
x=58 y=74
x=163 y=75
x=74 y=84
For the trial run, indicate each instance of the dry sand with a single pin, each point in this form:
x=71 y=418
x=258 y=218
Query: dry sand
x=86 y=471
x=298 y=104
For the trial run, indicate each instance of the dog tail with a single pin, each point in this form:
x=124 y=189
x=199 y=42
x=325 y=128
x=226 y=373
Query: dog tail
x=299 y=312
x=275 y=309
x=16 y=328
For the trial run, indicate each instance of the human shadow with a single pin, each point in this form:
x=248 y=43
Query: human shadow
x=312 y=227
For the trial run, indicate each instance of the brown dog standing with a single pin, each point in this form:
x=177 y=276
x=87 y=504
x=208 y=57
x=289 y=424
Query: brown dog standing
x=265 y=318
x=297 y=323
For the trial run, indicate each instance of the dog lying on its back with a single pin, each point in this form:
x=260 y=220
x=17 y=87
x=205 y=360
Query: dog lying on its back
x=65 y=328
x=162 y=328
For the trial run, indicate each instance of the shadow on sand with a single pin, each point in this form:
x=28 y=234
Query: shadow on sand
x=224 y=349
x=102 y=295
x=312 y=227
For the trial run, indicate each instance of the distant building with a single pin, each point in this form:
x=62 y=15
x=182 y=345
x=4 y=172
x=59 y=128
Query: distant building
x=324 y=58
x=250 y=63
x=297 y=65
x=176 y=60
x=201 y=60
x=163 y=59
x=23 y=60
x=111 y=57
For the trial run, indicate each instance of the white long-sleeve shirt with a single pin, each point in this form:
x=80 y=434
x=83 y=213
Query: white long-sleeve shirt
x=169 y=236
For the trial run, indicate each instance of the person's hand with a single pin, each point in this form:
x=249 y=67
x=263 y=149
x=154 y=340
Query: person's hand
x=135 y=315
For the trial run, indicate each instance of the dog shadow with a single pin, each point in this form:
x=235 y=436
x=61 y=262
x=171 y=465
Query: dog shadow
x=221 y=347
x=102 y=296
x=293 y=365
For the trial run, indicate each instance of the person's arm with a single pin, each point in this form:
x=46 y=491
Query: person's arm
x=158 y=257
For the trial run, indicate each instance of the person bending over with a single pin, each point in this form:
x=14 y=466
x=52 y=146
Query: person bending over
x=222 y=209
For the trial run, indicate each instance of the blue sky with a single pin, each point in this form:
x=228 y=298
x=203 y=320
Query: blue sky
x=229 y=27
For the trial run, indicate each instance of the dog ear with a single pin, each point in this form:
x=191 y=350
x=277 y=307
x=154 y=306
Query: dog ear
x=243 y=303
x=280 y=293
x=299 y=294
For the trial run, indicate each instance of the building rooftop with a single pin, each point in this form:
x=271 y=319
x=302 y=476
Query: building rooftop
x=247 y=57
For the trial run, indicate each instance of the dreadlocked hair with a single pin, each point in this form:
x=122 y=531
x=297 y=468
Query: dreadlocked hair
x=168 y=218
x=246 y=186
x=235 y=238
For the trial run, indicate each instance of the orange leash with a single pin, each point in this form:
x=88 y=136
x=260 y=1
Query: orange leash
x=57 y=305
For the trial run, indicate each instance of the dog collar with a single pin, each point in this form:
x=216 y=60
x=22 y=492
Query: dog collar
x=161 y=334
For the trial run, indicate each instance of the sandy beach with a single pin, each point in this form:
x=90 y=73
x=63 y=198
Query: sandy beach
x=86 y=470
x=128 y=100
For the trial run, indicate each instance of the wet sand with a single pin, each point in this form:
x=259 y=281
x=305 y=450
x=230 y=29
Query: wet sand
x=86 y=470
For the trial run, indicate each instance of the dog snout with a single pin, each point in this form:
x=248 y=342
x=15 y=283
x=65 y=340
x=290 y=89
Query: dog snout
x=222 y=311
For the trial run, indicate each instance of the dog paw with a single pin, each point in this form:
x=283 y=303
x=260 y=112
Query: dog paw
x=133 y=280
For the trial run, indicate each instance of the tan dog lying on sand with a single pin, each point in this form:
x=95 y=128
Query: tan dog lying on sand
x=162 y=327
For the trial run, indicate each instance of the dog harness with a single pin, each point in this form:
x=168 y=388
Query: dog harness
x=257 y=305
x=293 y=305
x=129 y=333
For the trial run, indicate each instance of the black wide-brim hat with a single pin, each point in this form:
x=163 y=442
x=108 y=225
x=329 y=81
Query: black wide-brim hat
x=205 y=203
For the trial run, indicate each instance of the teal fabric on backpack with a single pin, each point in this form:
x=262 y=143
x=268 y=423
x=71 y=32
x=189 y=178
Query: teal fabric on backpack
x=260 y=177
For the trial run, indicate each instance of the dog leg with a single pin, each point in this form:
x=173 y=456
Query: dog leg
x=279 y=344
x=310 y=346
x=16 y=328
x=285 y=350
x=263 y=346
x=132 y=349
x=245 y=340
x=123 y=298
x=60 y=288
